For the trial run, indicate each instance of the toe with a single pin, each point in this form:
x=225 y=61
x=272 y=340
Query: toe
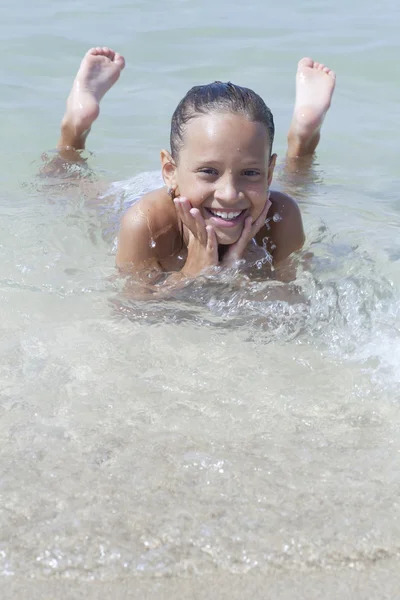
x=306 y=62
x=107 y=52
x=119 y=60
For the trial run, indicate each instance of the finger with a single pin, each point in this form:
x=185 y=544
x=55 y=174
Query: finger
x=265 y=210
x=244 y=239
x=177 y=205
x=212 y=244
x=237 y=249
x=183 y=207
x=180 y=213
x=186 y=206
x=196 y=214
x=259 y=222
x=185 y=202
x=246 y=233
x=200 y=225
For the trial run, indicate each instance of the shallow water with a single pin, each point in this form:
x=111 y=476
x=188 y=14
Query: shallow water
x=239 y=427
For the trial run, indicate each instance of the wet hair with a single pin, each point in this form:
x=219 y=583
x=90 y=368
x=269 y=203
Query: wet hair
x=218 y=97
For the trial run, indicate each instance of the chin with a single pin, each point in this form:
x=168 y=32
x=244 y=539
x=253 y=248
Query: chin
x=227 y=240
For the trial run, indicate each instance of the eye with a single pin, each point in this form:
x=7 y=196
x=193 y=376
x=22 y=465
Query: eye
x=251 y=173
x=208 y=171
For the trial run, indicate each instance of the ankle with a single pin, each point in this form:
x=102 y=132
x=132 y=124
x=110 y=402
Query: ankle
x=301 y=144
x=72 y=136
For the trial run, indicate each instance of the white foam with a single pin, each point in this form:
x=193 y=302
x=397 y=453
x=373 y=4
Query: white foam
x=127 y=192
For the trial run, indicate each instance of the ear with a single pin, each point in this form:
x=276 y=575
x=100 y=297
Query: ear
x=271 y=167
x=168 y=169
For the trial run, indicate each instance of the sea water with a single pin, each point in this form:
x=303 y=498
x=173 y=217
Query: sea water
x=239 y=427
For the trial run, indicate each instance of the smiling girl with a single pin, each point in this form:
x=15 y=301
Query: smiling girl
x=216 y=207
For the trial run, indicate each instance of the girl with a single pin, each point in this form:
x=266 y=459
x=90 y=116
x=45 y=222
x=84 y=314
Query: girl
x=216 y=207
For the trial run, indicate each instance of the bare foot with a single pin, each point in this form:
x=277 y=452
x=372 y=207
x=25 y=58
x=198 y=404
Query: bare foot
x=99 y=70
x=314 y=88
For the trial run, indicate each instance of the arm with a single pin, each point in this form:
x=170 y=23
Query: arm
x=135 y=252
x=136 y=257
x=150 y=233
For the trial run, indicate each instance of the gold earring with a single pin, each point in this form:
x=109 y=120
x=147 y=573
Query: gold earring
x=171 y=192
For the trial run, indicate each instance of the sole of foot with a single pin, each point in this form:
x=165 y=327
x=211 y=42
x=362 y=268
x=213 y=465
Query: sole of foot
x=99 y=71
x=315 y=84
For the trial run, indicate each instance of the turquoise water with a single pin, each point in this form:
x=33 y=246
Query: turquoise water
x=222 y=431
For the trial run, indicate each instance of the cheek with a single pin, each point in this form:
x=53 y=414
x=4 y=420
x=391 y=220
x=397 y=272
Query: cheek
x=195 y=191
x=258 y=202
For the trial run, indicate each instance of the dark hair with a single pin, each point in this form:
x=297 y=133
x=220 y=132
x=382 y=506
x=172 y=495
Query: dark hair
x=218 y=97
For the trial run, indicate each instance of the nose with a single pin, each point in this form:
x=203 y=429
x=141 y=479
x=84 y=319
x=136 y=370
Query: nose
x=227 y=190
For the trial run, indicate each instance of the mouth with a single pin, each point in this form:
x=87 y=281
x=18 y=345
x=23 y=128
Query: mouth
x=224 y=217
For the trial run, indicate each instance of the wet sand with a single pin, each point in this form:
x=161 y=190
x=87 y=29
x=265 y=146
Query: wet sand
x=379 y=581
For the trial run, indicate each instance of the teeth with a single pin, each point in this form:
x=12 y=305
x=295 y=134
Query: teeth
x=226 y=215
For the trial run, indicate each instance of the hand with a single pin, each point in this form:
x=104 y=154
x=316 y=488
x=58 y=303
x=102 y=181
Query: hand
x=202 y=244
x=250 y=229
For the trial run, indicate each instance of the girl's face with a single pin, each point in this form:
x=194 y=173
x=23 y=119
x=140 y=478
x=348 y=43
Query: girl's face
x=225 y=171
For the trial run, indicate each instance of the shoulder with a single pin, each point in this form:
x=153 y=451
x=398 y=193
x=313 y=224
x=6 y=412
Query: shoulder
x=156 y=206
x=285 y=206
x=284 y=227
x=147 y=229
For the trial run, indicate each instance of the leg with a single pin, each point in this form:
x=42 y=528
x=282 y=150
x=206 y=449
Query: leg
x=315 y=85
x=314 y=88
x=99 y=70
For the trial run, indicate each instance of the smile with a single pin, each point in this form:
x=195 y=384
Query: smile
x=227 y=216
